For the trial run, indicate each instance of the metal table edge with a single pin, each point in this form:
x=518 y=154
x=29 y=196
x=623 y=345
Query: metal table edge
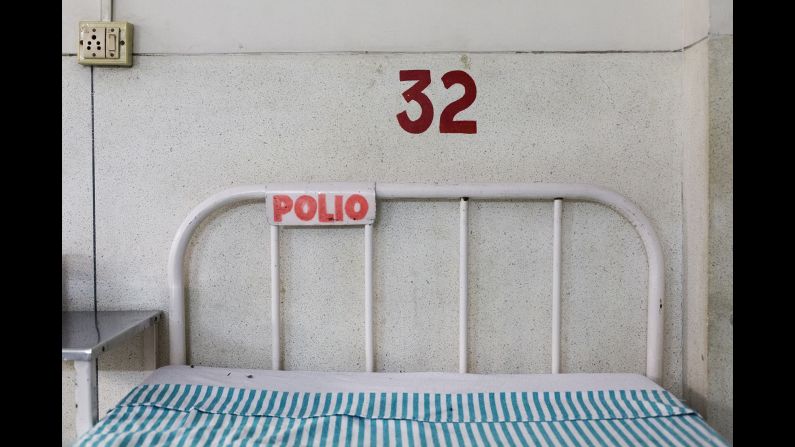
x=90 y=354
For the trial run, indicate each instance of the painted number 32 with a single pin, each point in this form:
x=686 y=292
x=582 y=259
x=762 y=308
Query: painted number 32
x=447 y=122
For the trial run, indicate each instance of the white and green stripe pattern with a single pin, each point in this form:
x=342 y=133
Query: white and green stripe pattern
x=190 y=415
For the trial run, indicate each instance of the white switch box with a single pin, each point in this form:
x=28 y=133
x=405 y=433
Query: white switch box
x=105 y=43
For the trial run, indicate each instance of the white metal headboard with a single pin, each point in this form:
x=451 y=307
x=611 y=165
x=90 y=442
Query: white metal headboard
x=556 y=192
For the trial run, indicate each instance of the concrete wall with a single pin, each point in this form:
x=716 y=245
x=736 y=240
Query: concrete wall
x=695 y=224
x=720 y=402
x=76 y=217
x=721 y=271
x=182 y=124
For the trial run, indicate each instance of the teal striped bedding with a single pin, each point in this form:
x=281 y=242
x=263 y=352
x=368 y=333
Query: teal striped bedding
x=191 y=415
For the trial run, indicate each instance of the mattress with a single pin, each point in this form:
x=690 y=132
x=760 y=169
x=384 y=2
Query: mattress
x=183 y=405
x=427 y=382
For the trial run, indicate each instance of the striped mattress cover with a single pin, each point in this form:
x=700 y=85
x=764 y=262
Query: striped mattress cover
x=254 y=407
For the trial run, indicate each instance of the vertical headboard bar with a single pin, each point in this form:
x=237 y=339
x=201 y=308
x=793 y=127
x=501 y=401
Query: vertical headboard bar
x=368 y=298
x=484 y=191
x=556 y=251
x=463 y=284
x=276 y=327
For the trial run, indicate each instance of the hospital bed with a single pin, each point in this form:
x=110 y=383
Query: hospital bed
x=184 y=404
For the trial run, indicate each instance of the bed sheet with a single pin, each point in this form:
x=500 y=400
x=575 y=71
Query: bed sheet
x=186 y=405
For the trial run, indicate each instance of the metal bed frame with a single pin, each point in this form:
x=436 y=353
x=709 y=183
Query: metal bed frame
x=555 y=192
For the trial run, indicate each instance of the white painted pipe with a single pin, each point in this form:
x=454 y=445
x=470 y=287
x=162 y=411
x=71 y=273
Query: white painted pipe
x=495 y=191
x=106 y=10
x=463 y=285
x=368 y=298
x=276 y=298
x=176 y=257
x=558 y=208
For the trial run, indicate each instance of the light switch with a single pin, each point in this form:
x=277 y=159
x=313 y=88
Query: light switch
x=112 y=40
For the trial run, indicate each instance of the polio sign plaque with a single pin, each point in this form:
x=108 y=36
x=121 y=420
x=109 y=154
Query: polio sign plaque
x=323 y=204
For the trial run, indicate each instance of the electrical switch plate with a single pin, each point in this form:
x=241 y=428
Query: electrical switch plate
x=105 y=43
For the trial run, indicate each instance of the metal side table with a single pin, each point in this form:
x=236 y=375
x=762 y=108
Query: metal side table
x=86 y=335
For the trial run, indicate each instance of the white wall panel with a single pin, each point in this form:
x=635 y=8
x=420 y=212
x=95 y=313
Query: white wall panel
x=721 y=17
x=206 y=26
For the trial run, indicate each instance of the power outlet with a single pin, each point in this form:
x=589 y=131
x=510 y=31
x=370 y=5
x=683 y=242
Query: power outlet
x=93 y=41
x=105 y=43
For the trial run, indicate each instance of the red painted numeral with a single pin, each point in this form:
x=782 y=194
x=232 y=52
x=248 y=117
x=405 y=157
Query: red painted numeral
x=414 y=93
x=447 y=123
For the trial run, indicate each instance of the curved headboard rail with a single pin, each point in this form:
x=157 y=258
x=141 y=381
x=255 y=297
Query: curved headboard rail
x=557 y=192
